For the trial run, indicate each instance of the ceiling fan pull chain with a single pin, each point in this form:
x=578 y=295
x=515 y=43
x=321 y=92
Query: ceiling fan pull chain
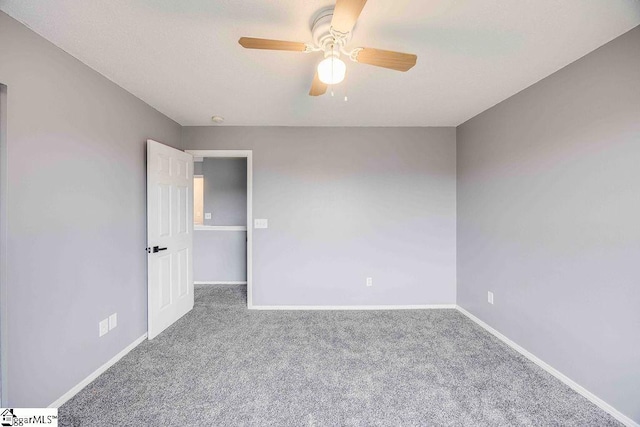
x=346 y=87
x=333 y=57
x=346 y=92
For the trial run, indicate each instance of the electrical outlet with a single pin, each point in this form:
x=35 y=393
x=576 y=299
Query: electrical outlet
x=490 y=297
x=103 y=327
x=369 y=281
x=113 y=321
x=207 y=215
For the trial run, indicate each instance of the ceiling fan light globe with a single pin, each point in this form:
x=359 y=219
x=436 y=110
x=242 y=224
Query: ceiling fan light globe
x=331 y=70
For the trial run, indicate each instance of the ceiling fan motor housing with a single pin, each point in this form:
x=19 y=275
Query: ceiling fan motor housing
x=323 y=37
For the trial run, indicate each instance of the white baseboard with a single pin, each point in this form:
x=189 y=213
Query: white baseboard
x=352 y=307
x=196 y=282
x=95 y=374
x=559 y=375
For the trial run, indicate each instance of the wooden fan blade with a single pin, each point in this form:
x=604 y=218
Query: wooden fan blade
x=253 y=43
x=317 y=87
x=386 y=58
x=346 y=14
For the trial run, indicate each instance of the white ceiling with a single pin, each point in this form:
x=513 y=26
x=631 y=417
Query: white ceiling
x=182 y=57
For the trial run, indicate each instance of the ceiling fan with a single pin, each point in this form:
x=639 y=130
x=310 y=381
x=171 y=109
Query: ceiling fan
x=331 y=30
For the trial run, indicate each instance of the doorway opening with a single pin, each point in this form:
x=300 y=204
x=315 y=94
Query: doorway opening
x=222 y=237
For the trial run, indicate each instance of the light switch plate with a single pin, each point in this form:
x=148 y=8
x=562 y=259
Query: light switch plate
x=207 y=215
x=261 y=223
x=113 y=321
x=103 y=327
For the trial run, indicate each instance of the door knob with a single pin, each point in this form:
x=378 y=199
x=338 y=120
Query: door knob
x=155 y=249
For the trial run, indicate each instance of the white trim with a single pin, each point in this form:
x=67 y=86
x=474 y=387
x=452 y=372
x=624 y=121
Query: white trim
x=219 y=153
x=559 y=375
x=250 y=229
x=95 y=374
x=248 y=154
x=220 y=228
x=209 y=282
x=354 y=307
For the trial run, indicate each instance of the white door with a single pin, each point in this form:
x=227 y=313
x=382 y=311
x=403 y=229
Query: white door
x=169 y=235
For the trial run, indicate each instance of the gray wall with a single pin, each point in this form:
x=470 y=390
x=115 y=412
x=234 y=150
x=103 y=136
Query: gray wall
x=197 y=168
x=225 y=191
x=220 y=256
x=347 y=203
x=76 y=214
x=549 y=220
x=3 y=241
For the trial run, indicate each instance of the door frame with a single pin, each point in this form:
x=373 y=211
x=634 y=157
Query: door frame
x=248 y=154
x=4 y=231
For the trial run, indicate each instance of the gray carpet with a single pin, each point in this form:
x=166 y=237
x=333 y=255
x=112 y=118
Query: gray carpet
x=223 y=365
